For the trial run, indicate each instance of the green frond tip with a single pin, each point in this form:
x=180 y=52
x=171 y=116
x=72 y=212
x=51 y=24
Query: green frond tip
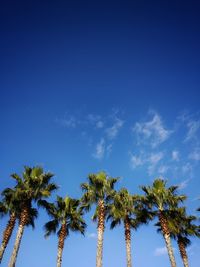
x=99 y=187
x=66 y=212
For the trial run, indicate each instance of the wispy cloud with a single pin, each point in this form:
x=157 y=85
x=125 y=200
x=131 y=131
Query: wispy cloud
x=183 y=184
x=99 y=124
x=113 y=131
x=100 y=149
x=175 y=155
x=160 y=251
x=193 y=127
x=187 y=169
x=136 y=161
x=163 y=169
x=68 y=121
x=95 y=120
x=93 y=127
x=92 y=235
x=195 y=155
x=153 y=160
x=150 y=161
x=109 y=149
x=152 y=131
x=155 y=157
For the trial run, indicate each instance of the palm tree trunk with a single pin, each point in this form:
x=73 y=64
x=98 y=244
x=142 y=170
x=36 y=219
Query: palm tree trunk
x=62 y=236
x=22 y=222
x=101 y=219
x=128 y=242
x=7 y=234
x=183 y=253
x=166 y=235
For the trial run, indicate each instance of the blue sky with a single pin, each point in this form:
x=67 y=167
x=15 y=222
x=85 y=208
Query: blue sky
x=101 y=86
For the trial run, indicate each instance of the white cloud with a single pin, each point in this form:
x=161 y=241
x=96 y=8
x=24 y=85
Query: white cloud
x=109 y=149
x=100 y=149
x=136 y=161
x=150 y=160
x=187 y=169
x=92 y=235
x=99 y=124
x=153 y=160
x=183 y=184
x=68 y=121
x=193 y=127
x=175 y=155
x=152 y=131
x=113 y=131
x=155 y=157
x=95 y=120
x=195 y=155
x=160 y=251
x=163 y=169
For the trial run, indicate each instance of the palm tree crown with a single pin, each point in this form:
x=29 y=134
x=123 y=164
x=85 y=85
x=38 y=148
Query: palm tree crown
x=32 y=186
x=66 y=216
x=181 y=227
x=99 y=187
x=160 y=199
x=99 y=191
x=64 y=211
x=126 y=207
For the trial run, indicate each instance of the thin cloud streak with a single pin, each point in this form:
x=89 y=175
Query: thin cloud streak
x=152 y=131
x=100 y=149
x=113 y=131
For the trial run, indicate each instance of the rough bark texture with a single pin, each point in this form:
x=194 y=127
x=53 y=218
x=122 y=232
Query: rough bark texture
x=61 y=241
x=7 y=234
x=22 y=222
x=101 y=219
x=128 y=242
x=183 y=253
x=166 y=235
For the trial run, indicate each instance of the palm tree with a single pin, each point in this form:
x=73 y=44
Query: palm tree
x=98 y=191
x=8 y=205
x=66 y=216
x=11 y=205
x=181 y=227
x=31 y=187
x=126 y=209
x=161 y=199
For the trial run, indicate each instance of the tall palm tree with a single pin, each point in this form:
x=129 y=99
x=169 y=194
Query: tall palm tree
x=32 y=186
x=11 y=205
x=98 y=191
x=182 y=227
x=161 y=199
x=8 y=206
x=66 y=216
x=125 y=208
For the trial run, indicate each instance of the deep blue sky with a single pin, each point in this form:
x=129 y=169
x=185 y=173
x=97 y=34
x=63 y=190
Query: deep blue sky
x=101 y=85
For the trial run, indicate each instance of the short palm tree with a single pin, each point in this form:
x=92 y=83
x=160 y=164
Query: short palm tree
x=182 y=227
x=32 y=186
x=98 y=191
x=8 y=206
x=66 y=216
x=125 y=208
x=160 y=200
